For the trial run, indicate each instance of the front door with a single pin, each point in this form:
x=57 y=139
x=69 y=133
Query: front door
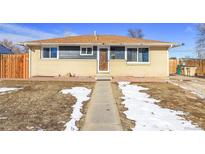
x=103 y=60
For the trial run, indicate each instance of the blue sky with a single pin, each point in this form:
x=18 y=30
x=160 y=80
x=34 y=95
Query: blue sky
x=181 y=33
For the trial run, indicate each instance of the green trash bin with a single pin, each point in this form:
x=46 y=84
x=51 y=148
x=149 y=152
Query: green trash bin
x=179 y=70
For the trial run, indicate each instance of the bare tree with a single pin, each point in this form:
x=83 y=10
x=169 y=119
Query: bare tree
x=135 y=33
x=200 y=43
x=14 y=48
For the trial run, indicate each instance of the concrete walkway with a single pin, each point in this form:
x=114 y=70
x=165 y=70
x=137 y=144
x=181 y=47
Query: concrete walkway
x=102 y=112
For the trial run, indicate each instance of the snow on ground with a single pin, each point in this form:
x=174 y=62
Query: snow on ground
x=4 y=90
x=148 y=115
x=81 y=94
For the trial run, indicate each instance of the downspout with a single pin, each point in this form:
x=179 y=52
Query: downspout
x=29 y=71
x=168 y=59
x=30 y=60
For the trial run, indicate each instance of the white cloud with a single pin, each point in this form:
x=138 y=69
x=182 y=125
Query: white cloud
x=15 y=37
x=19 y=33
x=68 y=33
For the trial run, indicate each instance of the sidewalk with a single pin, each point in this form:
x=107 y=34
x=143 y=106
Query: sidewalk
x=102 y=112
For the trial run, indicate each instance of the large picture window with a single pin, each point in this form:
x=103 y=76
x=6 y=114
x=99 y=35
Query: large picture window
x=137 y=54
x=77 y=52
x=50 y=52
x=66 y=52
x=117 y=52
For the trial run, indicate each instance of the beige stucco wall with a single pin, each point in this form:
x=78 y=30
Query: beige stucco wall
x=158 y=66
x=54 y=67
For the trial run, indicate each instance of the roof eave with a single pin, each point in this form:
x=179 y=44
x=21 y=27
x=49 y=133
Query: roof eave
x=143 y=44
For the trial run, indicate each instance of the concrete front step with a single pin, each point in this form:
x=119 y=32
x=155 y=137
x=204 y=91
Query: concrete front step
x=103 y=77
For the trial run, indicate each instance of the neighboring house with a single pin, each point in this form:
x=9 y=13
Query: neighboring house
x=89 y=55
x=5 y=50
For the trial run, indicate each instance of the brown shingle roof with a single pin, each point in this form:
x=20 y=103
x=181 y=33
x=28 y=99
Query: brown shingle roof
x=96 y=39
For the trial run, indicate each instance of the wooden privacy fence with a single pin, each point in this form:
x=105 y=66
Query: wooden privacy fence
x=14 y=66
x=199 y=63
x=173 y=66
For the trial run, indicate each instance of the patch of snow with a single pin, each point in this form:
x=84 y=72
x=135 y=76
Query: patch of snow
x=30 y=127
x=40 y=129
x=3 y=118
x=4 y=90
x=61 y=122
x=148 y=115
x=81 y=94
x=198 y=94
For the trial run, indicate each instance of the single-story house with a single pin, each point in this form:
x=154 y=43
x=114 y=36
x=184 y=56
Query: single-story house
x=90 y=55
x=5 y=50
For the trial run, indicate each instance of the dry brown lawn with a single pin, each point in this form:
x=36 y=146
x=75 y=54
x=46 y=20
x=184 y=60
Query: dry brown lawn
x=38 y=106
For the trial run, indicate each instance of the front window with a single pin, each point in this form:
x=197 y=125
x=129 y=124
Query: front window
x=67 y=52
x=143 y=55
x=86 y=51
x=89 y=51
x=50 y=52
x=83 y=51
x=53 y=52
x=132 y=54
x=137 y=54
x=46 y=52
x=117 y=52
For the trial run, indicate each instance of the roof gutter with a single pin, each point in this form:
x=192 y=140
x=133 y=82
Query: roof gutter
x=174 y=45
x=103 y=44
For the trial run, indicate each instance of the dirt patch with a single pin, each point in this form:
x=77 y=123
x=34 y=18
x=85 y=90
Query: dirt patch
x=172 y=97
x=127 y=124
x=38 y=106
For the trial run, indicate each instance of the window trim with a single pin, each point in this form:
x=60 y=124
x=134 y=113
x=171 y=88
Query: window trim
x=50 y=58
x=137 y=62
x=133 y=62
x=82 y=54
